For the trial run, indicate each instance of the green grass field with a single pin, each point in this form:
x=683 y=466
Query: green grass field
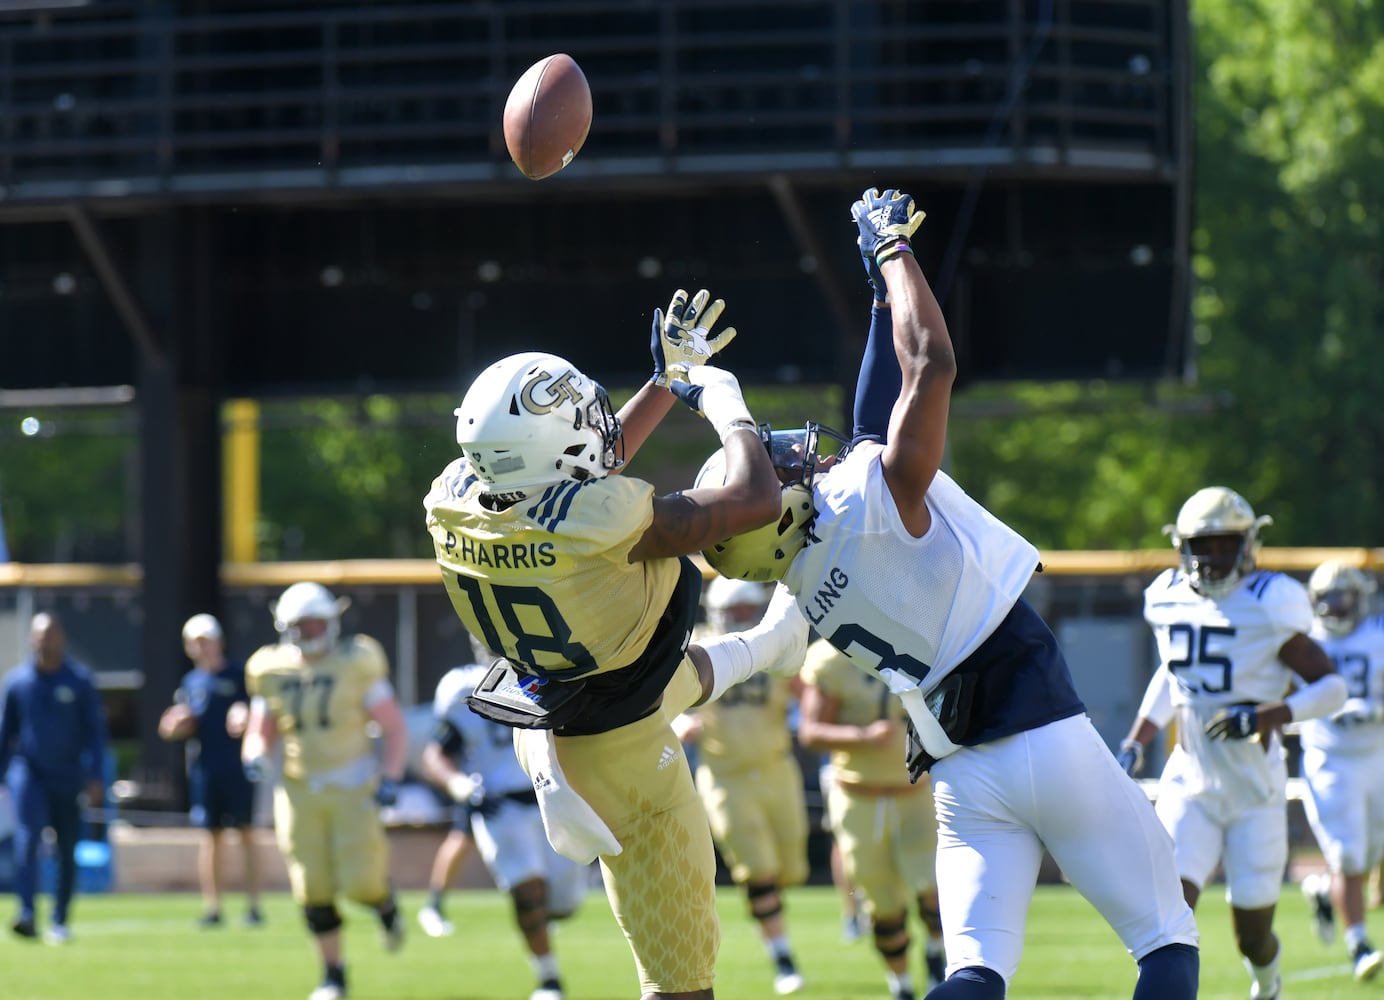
x=129 y=947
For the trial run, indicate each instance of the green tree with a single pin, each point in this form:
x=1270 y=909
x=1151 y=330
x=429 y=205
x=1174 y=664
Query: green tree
x=1290 y=131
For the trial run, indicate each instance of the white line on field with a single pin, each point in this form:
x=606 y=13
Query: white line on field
x=1320 y=972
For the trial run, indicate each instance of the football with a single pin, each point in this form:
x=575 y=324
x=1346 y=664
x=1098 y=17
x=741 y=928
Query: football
x=547 y=116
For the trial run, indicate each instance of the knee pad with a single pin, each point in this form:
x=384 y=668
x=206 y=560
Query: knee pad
x=757 y=893
x=888 y=929
x=530 y=905
x=322 y=919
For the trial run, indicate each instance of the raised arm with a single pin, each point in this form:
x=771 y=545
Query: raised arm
x=917 y=431
x=679 y=339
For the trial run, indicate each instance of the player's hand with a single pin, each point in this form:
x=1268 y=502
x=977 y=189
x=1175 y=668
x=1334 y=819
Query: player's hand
x=679 y=338
x=480 y=804
x=714 y=393
x=887 y=220
x=464 y=787
x=256 y=769
x=1356 y=712
x=1234 y=722
x=916 y=758
x=879 y=733
x=387 y=792
x=1131 y=757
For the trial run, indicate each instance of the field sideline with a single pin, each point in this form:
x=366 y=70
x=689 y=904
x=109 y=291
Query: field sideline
x=134 y=947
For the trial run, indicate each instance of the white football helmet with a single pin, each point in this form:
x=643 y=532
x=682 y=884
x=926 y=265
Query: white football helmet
x=735 y=605
x=304 y=601
x=1340 y=594
x=534 y=419
x=1216 y=512
x=763 y=555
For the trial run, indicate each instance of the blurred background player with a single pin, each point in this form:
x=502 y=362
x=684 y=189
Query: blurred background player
x=854 y=923
x=580 y=576
x=749 y=779
x=473 y=759
x=884 y=824
x=52 y=754
x=1232 y=640
x=318 y=691
x=1343 y=759
x=210 y=708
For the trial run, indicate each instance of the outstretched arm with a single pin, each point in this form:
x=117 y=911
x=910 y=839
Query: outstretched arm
x=918 y=422
x=680 y=338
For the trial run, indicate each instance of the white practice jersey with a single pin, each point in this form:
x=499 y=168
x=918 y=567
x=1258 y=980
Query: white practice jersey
x=1359 y=658
x=1220 y=652
x=487 y=747
x=887 y=599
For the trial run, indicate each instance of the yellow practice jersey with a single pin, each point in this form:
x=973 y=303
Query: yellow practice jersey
x=548 y=581
x=861 y=699
x=748 y=725
x=319 y=707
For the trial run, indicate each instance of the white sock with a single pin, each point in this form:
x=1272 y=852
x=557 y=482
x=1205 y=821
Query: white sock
x=544 y=966
x=778 y=947
x=899 y=981
x=1265 y=975
x=778 y=643
x=1355 y=936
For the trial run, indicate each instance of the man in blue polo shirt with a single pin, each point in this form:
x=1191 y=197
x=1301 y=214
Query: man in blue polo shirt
x=211 y=705
x=52 y=745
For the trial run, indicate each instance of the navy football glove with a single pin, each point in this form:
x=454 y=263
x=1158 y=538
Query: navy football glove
x=1131 y=756
x=256 y=769
x=387 y=793
x=1234 y=722
x=887 y=220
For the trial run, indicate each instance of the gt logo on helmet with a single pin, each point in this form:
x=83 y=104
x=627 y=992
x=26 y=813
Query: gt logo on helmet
x=556 y=390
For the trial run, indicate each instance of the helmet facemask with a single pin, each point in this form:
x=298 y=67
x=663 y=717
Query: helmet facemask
x=309 y=602
x=1214 y=564
x=764 y=554
x=1340 y=595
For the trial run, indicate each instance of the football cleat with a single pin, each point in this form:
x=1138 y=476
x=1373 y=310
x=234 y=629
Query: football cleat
x=1274 y=994
x=391 y=929
x=57 y=934
x=253 y=917
x=328 y=991
x=1317 y=891
x=211 y=918
x=786 y=977
x=936 y=963
x=433 y=923
x=549 y=989
x=24 y=927
x=1367 y=962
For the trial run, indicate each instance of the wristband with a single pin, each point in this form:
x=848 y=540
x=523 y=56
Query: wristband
x=892 y=250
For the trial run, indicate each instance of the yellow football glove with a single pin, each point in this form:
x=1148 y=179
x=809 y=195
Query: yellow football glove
x=679 y=338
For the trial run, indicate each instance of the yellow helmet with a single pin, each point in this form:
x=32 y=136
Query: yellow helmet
x=1216 y=512
x=1340 y=594
x=764 y=554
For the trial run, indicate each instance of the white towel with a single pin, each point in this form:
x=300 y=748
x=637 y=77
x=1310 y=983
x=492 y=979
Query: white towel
x=572 y=826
